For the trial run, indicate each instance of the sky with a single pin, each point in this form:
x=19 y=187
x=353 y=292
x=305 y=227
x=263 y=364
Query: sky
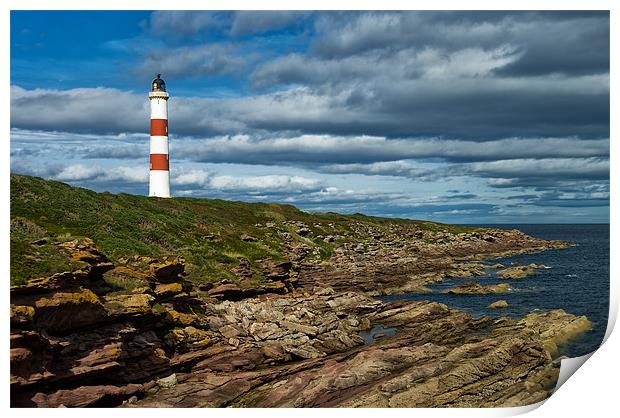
x=458 y=117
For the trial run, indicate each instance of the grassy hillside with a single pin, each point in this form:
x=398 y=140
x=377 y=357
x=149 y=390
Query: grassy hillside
x=206 y=232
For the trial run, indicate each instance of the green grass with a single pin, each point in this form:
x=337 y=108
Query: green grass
x=205 y=231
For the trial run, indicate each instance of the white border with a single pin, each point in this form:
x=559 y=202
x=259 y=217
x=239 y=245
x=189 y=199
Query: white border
x=592 y=393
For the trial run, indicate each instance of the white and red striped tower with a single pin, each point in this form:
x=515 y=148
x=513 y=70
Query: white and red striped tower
x=159 y=180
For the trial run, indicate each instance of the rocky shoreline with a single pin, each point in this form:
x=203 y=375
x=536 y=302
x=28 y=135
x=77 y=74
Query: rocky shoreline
x=294 y=339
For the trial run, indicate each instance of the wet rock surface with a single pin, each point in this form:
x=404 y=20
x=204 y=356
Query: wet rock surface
x=478 y=289
x=519 y=272
x=293 y=340
x=500 y=304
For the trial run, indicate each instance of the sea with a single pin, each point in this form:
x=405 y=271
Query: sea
x=575 y=279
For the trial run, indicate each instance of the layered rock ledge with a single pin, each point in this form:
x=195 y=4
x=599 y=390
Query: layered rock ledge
x=140 y=332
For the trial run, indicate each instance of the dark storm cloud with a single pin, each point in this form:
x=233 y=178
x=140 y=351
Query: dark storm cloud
x=372 y=96
x=477 y=75
x=551 y=41
x=565 y=46
x=356 y=154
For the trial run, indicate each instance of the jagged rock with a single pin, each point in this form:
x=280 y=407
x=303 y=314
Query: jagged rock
x=243 y=269
x=276 y=271
x=165 y=290
x=167 y=382
x=556 y=327
x=180 y=318
x=230 y=331
x=234 y=292
x=273 y=350
x=83 y=250
x=500 y=304
x=305 y=351
x=86 y=396
x=167 y=271
x=126 y=277
x=188 y=337
x=248 y=238
x=21 y=315
x=128 y=304
x=117 y=352
x=262 y=331
x=518 y=272
x=204 y=287
x=296 y=327
x=478 y=289
x=62 y=311
x=66 y=281
x=226 y=291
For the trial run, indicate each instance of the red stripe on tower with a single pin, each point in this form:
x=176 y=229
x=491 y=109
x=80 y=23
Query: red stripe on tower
x=159 y=127
x=159 y=162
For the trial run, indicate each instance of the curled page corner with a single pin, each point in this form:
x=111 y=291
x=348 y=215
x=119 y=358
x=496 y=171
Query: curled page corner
x=518 y=410
x=568 y=366
x=613 y=313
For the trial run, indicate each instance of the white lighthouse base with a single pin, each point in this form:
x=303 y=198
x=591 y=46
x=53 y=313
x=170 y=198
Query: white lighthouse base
x=159 y=183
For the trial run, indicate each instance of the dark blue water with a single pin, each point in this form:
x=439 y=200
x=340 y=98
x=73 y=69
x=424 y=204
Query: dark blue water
x=577 y=281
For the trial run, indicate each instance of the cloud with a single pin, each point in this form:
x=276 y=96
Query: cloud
x=179 y=22
x=551 y=42
x=470 y=108
x=249 y=22
x=238 y=23
x=79 y=173
x=265 y=183
x=194 y=61
x=101 y=110
x=562 y=168
x=428 y=63
x=352 y=154
x=182 y=179
x=335 y=154
x=557 y=198
x=388 y=168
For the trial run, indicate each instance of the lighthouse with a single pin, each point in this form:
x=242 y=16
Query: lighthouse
x=159 y=178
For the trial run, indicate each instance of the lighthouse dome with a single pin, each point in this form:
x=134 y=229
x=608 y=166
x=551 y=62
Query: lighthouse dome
x=158 y=84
